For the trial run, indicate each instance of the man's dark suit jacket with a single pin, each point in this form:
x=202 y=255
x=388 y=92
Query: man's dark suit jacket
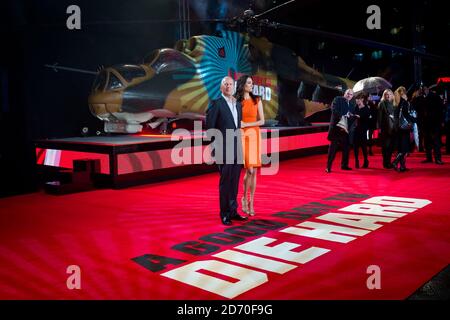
x=339 y=107
x=219 y=116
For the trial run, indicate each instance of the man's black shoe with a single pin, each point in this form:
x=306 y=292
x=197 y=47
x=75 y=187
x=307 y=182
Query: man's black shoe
x=426 y=161
x=346 y=168
x=328 y=170
x=239 y=218
x=226 y=222
x=366 y=164
x=439 y=162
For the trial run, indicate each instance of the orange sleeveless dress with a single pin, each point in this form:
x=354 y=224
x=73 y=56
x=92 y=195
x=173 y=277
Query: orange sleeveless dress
x=251 y=136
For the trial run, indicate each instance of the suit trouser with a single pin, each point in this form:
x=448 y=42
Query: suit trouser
x=341 y=139
x=228 y=189
x=360 y=143
x=433 y=142
x=370 y=141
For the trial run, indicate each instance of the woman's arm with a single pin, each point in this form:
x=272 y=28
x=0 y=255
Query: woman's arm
x=260 y=116
x=406 y=112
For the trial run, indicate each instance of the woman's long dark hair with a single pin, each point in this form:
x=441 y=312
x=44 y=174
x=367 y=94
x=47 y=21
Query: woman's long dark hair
x=239 y=95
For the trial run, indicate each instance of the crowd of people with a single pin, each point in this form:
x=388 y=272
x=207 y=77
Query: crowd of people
x=403 y=123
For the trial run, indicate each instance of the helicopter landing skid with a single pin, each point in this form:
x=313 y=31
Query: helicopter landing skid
x=122 y=127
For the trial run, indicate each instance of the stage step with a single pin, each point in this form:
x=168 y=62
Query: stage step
x=78 y=180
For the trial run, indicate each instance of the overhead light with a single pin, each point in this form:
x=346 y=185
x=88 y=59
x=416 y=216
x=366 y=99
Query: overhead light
x=358 y=56
x=395 y=31
x=376 y=55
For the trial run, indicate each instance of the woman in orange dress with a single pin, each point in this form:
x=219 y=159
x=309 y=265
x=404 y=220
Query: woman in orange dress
x=252 y=119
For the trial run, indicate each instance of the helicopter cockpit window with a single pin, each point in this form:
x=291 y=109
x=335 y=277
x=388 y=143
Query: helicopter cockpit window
x=114 y=82
x=129 y=72
x=100 y=81
x=167 y=60
x=306 y=90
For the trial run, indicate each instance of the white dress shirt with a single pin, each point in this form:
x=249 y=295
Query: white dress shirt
x=231 y=102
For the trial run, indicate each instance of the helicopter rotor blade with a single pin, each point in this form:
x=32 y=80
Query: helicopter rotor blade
x=273 y=9
x=137 y=22
x=92 y=23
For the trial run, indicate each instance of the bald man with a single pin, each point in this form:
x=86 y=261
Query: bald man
x=341 y=106
x=225 y=114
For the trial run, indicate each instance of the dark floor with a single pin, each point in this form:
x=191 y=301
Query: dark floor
x=438 y=288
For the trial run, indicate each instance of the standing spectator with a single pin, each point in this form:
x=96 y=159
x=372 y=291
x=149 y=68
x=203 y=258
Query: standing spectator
x=447 y=126
x=386 y=123
x=432 y=123
x=372 y=123
x=419 y=104
x=362 y=114
x=342 y=109
x=403 y=138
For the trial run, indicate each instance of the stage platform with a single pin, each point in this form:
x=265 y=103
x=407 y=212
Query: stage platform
x=127 y=160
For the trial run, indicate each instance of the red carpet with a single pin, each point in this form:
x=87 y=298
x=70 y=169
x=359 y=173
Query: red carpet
x=102 y=231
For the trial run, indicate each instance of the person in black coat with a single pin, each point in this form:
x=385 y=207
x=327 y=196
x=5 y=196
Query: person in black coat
x=404 y=135
x=225 y=115
x=447 y=126
x=372 y=123
x=419 y=104
x=386 y=123
x=433 y=117
x=341 y=107
x=362 y=114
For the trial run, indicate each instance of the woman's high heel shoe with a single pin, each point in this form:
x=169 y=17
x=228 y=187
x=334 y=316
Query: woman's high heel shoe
x=244 y=205
x=251 y=211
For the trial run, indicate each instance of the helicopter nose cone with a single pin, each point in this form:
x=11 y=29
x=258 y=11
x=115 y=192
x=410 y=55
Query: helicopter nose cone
x=104 y=103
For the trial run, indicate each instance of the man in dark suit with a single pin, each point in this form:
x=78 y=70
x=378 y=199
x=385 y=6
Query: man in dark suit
x=224 y=115
x=433 y=117
x=341 y=106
